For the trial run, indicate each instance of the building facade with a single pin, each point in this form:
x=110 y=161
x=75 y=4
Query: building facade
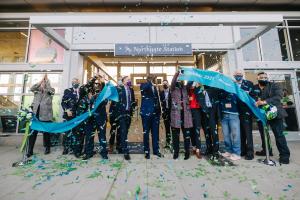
x=67 y=45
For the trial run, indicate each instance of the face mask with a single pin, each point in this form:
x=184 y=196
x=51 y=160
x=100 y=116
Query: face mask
x=238 y=78
x=129 y=83
x=75 y=85
x=120 y=82
x=263 y=82
x=165 y=86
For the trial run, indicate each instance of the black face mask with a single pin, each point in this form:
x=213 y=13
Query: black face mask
x=165 y=86
x=263 y=82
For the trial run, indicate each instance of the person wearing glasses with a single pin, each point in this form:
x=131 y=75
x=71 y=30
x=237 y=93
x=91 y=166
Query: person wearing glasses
x=271 y=93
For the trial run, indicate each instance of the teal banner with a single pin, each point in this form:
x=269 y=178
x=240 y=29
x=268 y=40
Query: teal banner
x=109 y=92
x=218 y=80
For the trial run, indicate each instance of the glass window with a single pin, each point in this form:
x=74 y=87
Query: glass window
x=250 y=51
x=113 y=72
x=43 y=49
x=32 y=78
x=295 y=42
x=139 y=70
x=273 y=46
x=125 y=71
x=169 y=70
x=19 y=78
x=156 y=69
x=4 y=78
x=13 y=45
x=293 y=22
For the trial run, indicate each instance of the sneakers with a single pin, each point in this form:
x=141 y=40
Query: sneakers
x=147 y=155
x=226 y=154
x=158 y=154
x=234 y=157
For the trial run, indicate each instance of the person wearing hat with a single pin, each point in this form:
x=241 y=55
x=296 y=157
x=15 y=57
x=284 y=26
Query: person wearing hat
x=271 y=93
x=245 y=116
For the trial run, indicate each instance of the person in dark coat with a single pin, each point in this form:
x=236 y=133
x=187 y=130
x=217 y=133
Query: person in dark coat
x=42 y=108
x=150 y=113
x=69 y=104
x=271 y=93
x=123 y=110
x=100 y=118
x=181 y=116
x=208 y=98
x=165 y=98
x=85 y=130
x=245 y=116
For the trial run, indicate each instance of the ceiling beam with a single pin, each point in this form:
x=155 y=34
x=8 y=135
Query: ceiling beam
x=155 y=19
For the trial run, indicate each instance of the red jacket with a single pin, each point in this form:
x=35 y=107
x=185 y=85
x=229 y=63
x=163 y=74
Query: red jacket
x=193 y=101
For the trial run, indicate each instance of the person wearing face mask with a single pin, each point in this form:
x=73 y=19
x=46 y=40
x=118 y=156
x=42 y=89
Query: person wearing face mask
x=150 y=113
x=181 y=116
x=123 y=110
x=271 y=93
x=165 y=98
x=69 y=104
x=245 y=116
x=196 y=115
x=100 y=118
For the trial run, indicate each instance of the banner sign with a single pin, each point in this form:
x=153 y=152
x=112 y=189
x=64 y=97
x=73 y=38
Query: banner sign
x=156 y=49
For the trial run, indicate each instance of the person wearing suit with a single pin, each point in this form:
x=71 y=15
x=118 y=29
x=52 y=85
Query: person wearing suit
x=208 y=98
x=100 y=119
x=271 y=93
x=69 y=104
x=245 y=116
x=150 y=113
x=165 y=98
x=123 y=110
x=84 y=132
x=42 y=108
x=181 y=116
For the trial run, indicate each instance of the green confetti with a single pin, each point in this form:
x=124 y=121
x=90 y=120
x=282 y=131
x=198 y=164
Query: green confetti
x=95 y=174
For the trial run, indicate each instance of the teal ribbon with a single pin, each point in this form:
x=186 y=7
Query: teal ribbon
x=109 y=92
x=218 y=80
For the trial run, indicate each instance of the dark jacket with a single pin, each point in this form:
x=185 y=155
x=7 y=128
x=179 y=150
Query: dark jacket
x=69 y=102
x=165 y=111
x=228 y=102
x=249 y=88
x=213 y=94
x=119 y=108
x=150 y=100
x=272 y=94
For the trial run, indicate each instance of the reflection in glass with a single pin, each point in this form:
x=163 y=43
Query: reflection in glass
x=295 y=42
x=13 y=46
x=139 y=70
x=4 y=78
x=125 y=71
x=156 y=69
x=250 y=51
x=272 y=46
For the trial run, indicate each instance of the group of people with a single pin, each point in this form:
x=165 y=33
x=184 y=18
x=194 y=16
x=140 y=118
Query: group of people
x=185 y=108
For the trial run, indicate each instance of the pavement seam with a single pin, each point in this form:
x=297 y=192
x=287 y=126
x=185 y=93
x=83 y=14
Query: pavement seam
x=112 y=184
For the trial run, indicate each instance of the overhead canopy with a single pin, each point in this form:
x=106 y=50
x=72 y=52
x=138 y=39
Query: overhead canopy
x=263 y=22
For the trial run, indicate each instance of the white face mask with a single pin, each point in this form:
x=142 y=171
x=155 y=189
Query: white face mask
x=194 y=84
x=120 y=82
